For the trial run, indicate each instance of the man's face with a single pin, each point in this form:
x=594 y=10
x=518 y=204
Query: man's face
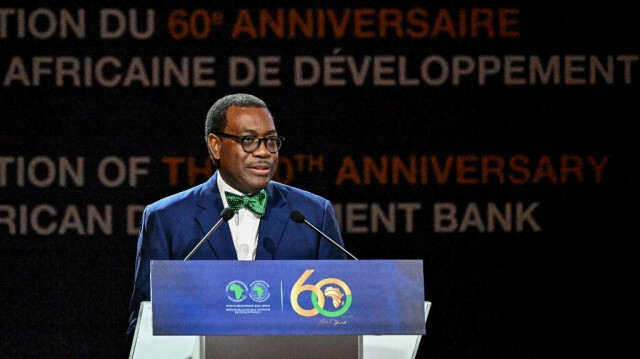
x=246 y=172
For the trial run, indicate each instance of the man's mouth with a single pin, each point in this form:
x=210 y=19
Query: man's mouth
x=260 y=168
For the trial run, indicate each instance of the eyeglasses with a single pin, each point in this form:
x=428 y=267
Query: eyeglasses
x=251 y=143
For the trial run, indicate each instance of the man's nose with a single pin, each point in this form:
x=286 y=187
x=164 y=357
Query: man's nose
x=262 y=151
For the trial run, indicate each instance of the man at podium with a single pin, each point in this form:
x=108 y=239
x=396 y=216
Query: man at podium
x=243 y=144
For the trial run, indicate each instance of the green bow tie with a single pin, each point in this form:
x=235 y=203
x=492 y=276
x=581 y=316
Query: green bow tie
x=255 y=202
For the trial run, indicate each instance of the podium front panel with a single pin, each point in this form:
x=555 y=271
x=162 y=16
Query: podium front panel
x=288 y=297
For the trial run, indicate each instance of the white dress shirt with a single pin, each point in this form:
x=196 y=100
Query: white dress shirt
x=244 y=225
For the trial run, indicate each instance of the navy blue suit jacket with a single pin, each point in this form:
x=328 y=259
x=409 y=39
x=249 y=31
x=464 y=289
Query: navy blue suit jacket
x=173 y=226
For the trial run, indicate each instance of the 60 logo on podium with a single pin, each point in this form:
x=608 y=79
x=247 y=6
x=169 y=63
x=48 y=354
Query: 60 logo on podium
x=334 y=289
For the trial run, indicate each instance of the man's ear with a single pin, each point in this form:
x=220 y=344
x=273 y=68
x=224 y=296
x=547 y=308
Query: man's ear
x=213 y=142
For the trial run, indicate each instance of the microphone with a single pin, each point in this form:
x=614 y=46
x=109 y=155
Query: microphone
x=298 y=217
x=225 y=215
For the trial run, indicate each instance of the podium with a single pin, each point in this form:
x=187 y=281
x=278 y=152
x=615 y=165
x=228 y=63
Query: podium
x=282 y=309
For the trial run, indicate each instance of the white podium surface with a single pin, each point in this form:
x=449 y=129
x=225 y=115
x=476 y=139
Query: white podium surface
x=146 y=345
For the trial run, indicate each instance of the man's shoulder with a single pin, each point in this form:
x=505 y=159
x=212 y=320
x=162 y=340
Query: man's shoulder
x=294 y=194
x=176 y=201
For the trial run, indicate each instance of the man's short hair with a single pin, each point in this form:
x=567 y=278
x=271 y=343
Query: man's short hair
x=217 y=115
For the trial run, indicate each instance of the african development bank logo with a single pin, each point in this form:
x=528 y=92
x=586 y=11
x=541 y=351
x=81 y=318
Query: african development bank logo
x=258 y=291
x=236 y=291
x=335 y=290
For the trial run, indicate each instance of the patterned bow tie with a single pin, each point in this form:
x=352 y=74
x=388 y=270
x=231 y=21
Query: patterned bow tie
x=255 y=202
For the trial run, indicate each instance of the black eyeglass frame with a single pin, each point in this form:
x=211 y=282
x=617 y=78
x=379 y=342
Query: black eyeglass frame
x=278 y=139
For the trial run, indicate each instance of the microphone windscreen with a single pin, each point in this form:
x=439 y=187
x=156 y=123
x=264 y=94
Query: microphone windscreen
x=227 y=213
x=297 y=216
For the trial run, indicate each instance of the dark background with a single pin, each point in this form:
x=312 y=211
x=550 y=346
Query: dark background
x=566 y=290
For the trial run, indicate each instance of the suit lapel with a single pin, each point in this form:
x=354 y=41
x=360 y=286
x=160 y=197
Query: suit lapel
x=210 y=202
x=271 y=223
